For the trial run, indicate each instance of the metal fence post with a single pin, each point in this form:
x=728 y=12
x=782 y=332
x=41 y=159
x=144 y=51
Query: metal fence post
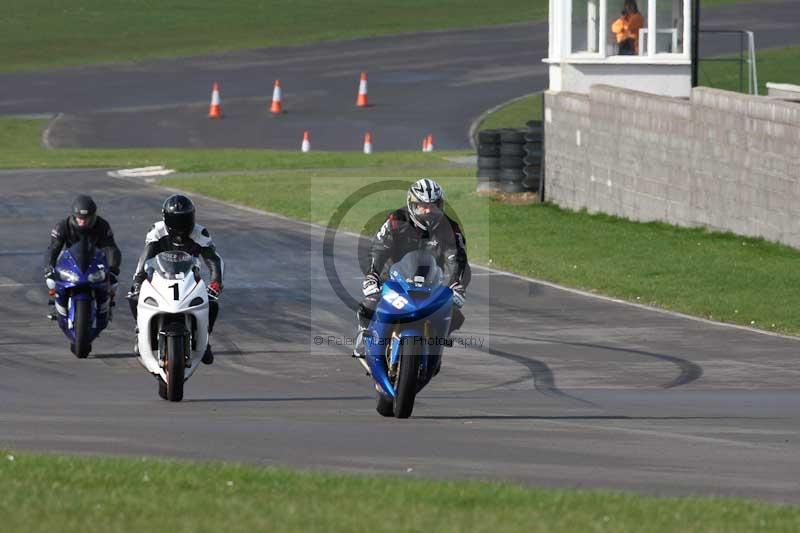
x=544 y=148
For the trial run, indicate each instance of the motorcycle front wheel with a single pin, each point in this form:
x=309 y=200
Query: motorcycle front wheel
x=176 y=358
x=83 y=329
x=406 y=387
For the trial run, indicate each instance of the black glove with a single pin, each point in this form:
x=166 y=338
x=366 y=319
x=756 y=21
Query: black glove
x=112 y=278
x=134 y=292
x=371 y=284
x=459 y=294
x=138 y=278
x=50 y=280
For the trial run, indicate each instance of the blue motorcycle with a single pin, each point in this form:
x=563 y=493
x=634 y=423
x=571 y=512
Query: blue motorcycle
x=408 y=333
x=82 y=295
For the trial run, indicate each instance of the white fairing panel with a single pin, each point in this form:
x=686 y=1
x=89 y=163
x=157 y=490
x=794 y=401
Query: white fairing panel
x=172 y=296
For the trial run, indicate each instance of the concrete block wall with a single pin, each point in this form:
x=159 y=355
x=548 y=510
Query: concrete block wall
x=723 y=160
x=786 y=91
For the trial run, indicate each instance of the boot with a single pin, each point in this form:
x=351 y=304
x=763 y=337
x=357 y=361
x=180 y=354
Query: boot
x=208 y=355
x=52 y=314
x=359 y=348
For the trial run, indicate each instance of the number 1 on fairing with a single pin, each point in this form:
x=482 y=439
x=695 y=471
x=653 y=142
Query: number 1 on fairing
x=175 y=293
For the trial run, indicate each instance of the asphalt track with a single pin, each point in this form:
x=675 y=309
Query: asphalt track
x=436 y=82
x=566 y=390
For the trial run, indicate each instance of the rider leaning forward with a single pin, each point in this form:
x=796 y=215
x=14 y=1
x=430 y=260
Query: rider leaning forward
x=421 y=224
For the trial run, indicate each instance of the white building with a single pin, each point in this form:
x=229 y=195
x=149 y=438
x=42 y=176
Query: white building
x=585 y=50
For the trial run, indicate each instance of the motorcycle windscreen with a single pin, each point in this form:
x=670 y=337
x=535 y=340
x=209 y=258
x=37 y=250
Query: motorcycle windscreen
x=397 y=306
x=418 y=269
x=174 y=264
x=83 y=252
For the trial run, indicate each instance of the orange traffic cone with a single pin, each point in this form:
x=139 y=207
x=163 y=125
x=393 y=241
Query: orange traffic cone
x=425 y=144
x=276 y=107
x=430 y=142
x=215 y=111
x=306 y=146
x=361 y=101
x=368 y=143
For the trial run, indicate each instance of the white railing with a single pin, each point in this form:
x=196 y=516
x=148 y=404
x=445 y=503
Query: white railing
x=751 y=64
x=644 y=31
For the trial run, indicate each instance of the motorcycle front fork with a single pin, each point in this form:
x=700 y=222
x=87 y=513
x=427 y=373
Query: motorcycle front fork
x=52 y=312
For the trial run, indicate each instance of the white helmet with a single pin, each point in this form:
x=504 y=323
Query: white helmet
x=424 y=201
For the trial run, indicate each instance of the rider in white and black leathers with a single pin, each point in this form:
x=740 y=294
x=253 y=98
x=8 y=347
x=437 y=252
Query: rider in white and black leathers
x=178 y=232
x=82 y=222
x=422 y=224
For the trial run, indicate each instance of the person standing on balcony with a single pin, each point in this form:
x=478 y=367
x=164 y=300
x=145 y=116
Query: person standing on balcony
x=627 y=27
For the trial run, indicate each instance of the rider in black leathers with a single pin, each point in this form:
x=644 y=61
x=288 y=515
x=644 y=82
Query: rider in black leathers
x=422 y=224
x=178 y=232
x=82 y=222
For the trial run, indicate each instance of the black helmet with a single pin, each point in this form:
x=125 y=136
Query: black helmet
x=178 y=212
x=83 y=216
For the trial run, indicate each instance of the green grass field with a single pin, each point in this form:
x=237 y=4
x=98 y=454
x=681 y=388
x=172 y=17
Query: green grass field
x=52 y=33
x=20 y=147
x=85 y=495
x=779 y=65
x=514 y=114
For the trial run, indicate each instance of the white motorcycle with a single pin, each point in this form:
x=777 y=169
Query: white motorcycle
x=172 y=321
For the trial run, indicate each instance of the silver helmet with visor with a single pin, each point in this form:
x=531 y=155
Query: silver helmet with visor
x=425 y=203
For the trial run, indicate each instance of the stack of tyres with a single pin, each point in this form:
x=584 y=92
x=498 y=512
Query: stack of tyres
x=488 y=160
x=534 y=154
x=512 y=155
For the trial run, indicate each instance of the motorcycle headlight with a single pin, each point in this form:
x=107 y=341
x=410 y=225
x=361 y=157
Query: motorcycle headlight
x=68 y=275
x=97 y=277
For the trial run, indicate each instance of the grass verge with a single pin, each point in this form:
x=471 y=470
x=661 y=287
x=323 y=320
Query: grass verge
x=514 y=114
x=20 y=147
x=779 y=65
x=62 y=493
